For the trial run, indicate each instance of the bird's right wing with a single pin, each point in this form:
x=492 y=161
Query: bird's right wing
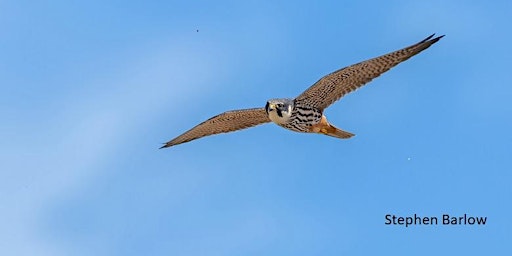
x=226 y=122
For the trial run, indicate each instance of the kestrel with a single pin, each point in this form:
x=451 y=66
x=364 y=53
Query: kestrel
x=305 y=113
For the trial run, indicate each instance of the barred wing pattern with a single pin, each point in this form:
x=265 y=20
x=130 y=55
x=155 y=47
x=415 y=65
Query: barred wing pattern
x=226 y=122
x=332 y=87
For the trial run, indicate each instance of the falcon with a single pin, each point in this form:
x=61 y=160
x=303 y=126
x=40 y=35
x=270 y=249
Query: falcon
x=305 y=112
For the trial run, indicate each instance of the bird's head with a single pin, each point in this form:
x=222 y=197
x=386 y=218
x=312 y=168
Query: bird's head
x=279 y=110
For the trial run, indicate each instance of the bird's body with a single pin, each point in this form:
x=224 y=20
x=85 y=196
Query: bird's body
x=287 y=114
x=305 y=113
x=301 y=118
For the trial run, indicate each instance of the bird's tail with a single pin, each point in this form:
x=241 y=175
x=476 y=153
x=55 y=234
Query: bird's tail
x=333 y=131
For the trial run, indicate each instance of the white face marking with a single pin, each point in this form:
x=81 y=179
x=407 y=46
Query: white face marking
x=282 y=107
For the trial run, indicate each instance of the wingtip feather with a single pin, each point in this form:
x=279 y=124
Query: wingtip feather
x=430 y=39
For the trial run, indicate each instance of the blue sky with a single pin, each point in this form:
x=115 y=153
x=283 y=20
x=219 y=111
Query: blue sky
x=89 y=90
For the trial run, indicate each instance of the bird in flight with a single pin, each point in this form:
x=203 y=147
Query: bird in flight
x=305 y=112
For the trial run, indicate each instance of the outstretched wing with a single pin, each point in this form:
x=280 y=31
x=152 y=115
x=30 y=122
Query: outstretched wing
x=226 y=122
x=332 y=87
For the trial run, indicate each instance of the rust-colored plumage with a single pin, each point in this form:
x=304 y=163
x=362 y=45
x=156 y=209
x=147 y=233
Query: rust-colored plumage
x=226 y=122
x=305 y=113
x=332 y=87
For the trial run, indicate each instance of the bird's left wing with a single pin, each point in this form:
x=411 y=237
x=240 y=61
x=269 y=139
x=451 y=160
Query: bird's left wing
x=332 y=87
x=226 y=122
